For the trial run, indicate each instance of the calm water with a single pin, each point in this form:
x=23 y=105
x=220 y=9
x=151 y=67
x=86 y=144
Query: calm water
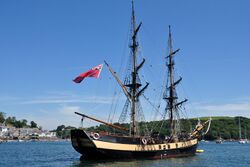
x=37 y=154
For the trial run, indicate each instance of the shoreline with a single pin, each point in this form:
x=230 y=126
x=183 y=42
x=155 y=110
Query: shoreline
x=35 y=140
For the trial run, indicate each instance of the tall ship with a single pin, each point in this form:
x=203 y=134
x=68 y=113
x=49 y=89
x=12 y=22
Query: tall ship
x=131 y=143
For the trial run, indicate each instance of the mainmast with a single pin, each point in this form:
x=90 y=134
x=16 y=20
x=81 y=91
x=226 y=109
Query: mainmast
x=171 y=79
x=171 y=97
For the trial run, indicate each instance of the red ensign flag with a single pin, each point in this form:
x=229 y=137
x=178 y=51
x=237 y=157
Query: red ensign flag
x=94 y=72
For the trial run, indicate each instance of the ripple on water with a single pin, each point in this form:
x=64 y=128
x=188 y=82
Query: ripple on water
x=39 y=154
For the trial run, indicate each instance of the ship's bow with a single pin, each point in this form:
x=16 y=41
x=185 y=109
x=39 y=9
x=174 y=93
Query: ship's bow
x=82 y=143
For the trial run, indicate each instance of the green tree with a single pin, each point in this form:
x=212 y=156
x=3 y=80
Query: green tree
x=33 y=124
x=2 y=117
x=18 y=124
x=10 y=121
x=60 y=128
x=24 y=122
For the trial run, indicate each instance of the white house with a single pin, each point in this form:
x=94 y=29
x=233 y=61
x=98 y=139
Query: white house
x=3 y=130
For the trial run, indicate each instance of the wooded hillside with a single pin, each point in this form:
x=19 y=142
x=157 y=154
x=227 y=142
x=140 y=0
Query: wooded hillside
x=225 y=127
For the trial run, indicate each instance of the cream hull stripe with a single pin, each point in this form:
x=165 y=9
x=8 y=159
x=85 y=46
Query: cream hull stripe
x=151 y=147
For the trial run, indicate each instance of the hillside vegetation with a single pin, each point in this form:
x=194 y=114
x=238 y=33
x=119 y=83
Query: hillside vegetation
x=225 y=127
x=12 y=121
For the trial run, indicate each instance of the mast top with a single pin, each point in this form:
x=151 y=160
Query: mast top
x=133 y=9
x=170 y=41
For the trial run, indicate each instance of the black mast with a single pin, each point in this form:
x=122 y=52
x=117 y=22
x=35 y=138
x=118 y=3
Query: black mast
x=135 y=84
x=171 y=80
x=171 y=98
x=133 y=75
x=133 y=93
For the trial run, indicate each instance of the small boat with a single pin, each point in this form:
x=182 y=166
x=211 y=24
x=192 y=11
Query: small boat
x=199 y=151
x=242 y=141
x=20 y=140
x=219 y=141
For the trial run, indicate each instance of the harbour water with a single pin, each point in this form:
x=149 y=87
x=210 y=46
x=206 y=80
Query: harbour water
x=60 y=154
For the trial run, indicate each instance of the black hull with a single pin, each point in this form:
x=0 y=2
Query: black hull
x=85 y=145
x=99 y=154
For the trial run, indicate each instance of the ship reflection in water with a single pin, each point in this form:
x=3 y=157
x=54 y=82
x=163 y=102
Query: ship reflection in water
x=138 y=163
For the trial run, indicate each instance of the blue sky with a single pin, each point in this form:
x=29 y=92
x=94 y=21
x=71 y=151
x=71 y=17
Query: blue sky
x=45 y=44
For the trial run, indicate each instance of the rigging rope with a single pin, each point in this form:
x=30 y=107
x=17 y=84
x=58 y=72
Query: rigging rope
x=122 y=69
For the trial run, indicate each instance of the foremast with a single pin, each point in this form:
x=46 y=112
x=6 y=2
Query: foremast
x=134 y=85
x=131 y=89
x=170 y=96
